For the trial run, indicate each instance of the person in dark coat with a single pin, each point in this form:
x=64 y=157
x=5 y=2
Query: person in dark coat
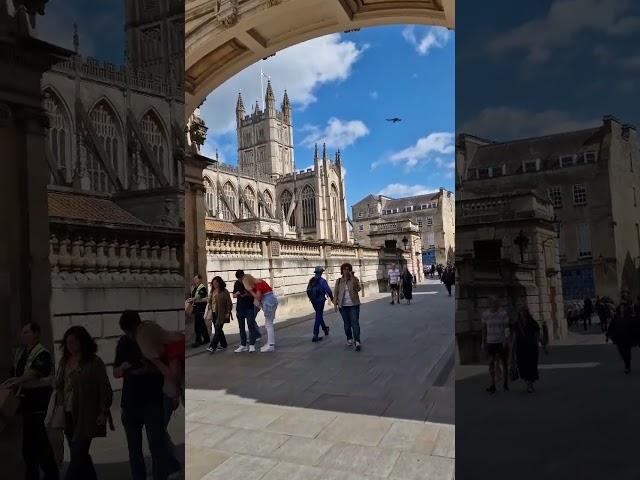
x=448 y=278
x=526 y=340
x=407 y=285
x=621 y=329
x=587 y=312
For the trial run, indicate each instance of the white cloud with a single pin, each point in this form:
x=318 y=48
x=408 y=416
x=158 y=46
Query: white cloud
x=426 y=38
x=337 y=134
x=423 y=151
x=300 y=70
x=402 y=190
x=504 y=123
x=374 y=95
x=564 y=21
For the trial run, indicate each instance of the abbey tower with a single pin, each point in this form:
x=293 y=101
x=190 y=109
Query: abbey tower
x=265 y=138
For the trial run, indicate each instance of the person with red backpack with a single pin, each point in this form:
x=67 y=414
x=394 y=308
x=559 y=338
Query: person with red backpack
x=318 y=290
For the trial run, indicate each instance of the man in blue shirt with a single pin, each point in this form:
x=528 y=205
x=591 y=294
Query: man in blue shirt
x=318 y=290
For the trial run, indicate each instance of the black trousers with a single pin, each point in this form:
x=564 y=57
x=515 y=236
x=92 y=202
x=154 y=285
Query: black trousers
x=36 y=449
x=218 y=337
x=151 y=417
x=80 y=461
x=625 y=352
x=200 y=327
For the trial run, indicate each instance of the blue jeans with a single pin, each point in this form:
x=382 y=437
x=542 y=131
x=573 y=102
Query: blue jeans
x=351 y=319
x=151 y=417
x=248 y=314
x=319 y=308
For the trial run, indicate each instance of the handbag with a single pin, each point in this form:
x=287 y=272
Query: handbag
x=9 y=402
x=188 y=308
x=208 y=314
x=55 y=418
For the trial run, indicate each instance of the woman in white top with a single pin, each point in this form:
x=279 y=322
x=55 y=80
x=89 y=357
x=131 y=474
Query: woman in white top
x=347 y=301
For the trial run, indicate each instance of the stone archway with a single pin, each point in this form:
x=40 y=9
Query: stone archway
x=222 y=37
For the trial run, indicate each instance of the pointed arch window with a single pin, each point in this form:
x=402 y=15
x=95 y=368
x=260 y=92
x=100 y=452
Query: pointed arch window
x=247 y=208
x=335 y=212
x=209 y=197
x=59 y=135
x=308 y=207
x=108 y=131
x=228 y=212
x=153 y=134
x=268 y=204
x=285 y=201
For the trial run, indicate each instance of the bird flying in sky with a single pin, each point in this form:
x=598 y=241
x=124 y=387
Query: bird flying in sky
x=394 y=120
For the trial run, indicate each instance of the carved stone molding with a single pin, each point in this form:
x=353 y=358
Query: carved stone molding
x=6 y=116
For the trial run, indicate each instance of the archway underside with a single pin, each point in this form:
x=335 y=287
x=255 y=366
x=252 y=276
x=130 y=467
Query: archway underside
x=224 y=37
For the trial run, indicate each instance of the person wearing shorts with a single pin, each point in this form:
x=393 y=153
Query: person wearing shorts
x=394 y=283
x=495 y=339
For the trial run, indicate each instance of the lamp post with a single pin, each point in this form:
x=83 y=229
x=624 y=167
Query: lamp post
x=521 y=241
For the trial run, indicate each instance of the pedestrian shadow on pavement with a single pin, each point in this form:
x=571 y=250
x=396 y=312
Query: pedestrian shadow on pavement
x=405 y=369
x=581 y=422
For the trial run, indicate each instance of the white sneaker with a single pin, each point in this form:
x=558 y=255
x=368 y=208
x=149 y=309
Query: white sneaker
x=252 y=348
x=268 y=348
x=349 y=343
x=241 y=348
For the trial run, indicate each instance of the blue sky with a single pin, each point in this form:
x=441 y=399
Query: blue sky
x=100 y=27
x=342 y=88
x=531 y=68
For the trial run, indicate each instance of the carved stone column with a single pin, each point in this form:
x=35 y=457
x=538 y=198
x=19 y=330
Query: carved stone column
x=25 y=283
x=195 y=251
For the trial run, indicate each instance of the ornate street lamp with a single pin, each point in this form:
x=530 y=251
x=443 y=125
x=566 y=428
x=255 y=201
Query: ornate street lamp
x=521 y=241
x=405 y=240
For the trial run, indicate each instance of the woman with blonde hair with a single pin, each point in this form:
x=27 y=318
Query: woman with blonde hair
x=264 y=299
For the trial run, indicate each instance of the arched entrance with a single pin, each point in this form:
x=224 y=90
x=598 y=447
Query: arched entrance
x=222 y=37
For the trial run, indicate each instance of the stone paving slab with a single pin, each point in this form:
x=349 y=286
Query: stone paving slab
x=372 y=461
x=415 y=466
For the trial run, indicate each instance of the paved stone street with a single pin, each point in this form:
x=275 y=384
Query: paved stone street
x=582 y=422
x=323 y=411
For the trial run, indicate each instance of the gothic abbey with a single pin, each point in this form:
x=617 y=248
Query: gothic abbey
x=265 y=194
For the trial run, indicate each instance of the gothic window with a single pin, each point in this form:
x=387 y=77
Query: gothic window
x=108 y=131
x=230 y=196
x=249 y=203
x=268 y=200
x=155 y=138
x=59 y=135
x=209 y=197
x=285 y=201
x=308 y=207
x=335 y=215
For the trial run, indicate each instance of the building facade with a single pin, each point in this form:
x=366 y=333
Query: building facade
x=430 y=216
x=591 y=178
x=115 y=148
x=265 y=194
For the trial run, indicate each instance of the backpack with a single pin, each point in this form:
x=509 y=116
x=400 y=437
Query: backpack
x=315 y=291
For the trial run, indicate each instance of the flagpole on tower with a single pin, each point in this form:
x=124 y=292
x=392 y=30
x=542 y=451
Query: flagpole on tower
x=262 y=88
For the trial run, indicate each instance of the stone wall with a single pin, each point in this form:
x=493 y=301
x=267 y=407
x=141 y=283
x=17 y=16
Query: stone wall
x=288 y=264
x=97 y=272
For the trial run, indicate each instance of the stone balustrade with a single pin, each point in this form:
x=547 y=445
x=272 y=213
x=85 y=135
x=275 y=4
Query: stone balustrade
x=233 y=247
x=99 y=257
x=299 y=249
x=121 y=76
x=399 y=226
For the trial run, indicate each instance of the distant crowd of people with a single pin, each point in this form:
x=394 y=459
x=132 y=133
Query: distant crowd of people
x=211 y=306
x=74 y=400
x=446 y=274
